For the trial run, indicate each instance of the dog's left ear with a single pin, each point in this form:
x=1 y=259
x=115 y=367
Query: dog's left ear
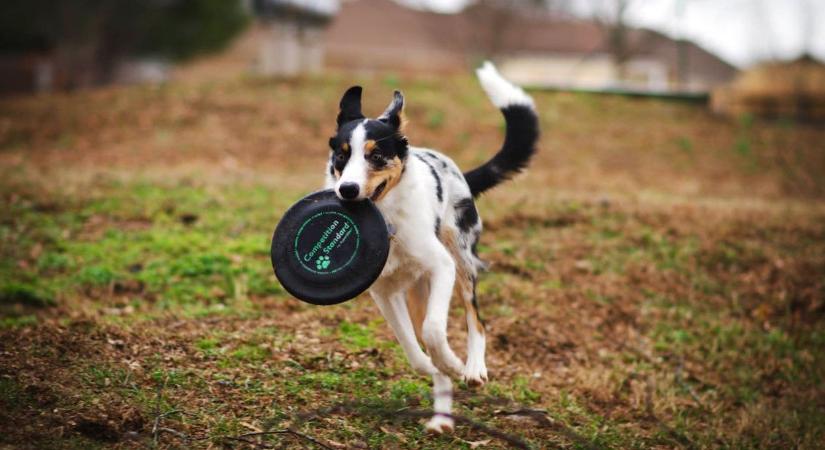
x=350 y=106
x=394 y=114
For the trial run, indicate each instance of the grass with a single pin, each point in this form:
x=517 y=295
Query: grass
x=650 y=286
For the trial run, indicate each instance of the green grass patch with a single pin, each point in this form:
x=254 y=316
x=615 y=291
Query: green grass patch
x=356 y=336
x=18 y=322
x=24 y=294
x=250 y=353
x=12 y=396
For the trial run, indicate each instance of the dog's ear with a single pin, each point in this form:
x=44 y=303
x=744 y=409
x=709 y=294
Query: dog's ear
x=394 y=114
x=350 y=106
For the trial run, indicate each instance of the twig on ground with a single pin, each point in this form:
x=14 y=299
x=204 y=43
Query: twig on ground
x=290 y=431
x=680 y=380
x=247 y=441
x=358 y=408
x=515 y=441
x=183 y=436
x=158 y=415
x=156 y=428
x=540 y=416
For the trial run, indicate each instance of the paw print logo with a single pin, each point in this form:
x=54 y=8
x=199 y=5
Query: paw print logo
x=322 y=262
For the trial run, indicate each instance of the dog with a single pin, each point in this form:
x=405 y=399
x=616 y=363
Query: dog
x=429 y=207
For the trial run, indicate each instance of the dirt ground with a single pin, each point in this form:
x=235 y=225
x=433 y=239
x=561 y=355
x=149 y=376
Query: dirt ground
x=657 y=277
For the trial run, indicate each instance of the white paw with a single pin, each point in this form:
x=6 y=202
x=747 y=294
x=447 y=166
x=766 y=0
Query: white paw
x=440 y=424
x=475 y=373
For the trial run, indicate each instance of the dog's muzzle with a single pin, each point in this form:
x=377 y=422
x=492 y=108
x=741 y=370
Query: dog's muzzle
x=348 y=191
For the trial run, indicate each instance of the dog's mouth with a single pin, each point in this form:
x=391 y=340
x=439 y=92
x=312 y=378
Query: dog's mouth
x=378 y=191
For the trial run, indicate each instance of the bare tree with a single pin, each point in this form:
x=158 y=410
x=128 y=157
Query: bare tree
x=611 y=16
x=808 y=27
x=617 y=38
x=494 y=20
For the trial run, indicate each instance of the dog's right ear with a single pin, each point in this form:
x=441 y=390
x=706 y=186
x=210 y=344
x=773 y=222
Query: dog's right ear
x=350 y=106
x=394 y=114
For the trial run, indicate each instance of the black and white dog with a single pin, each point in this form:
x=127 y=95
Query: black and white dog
x=429 y=202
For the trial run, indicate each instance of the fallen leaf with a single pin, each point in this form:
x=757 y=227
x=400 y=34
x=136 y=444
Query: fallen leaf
x=251 y=427
x=477 y=444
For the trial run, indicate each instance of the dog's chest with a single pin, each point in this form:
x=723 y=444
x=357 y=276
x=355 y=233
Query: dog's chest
x=404 y=215
x=400 y=271
x=401 y=268
x=399 y=258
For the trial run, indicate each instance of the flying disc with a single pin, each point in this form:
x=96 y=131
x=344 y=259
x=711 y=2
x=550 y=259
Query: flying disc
x=327 y=251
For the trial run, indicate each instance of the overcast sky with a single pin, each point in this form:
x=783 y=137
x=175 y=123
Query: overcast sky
x=740 y=31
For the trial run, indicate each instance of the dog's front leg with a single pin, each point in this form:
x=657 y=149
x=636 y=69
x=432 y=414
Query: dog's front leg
x=442 y=420
x=394 y=309
x=441 y=271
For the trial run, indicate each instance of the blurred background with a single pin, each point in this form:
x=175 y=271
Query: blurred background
x=657 y=275
x=752 y=55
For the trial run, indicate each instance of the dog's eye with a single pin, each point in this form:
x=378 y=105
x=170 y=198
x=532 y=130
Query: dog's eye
x=376 y=157
x=340 y=157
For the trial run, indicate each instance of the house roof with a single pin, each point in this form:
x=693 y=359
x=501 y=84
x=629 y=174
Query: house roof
x=316 y=11
x=382 y=33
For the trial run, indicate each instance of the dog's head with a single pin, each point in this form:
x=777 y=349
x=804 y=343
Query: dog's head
x=368 y=155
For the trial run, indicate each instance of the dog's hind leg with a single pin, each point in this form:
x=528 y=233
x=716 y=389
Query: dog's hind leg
x=417 y=305
x=475 y=371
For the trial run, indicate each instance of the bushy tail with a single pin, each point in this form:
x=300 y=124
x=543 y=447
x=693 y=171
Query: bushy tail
x=521 y=135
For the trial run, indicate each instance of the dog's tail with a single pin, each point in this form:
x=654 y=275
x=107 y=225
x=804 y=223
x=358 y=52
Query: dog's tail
x=521 y=135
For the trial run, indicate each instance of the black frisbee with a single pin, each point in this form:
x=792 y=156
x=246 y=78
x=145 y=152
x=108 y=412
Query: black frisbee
x=327 y=251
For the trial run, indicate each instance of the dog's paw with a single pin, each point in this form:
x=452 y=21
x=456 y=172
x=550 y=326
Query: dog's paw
x=440 y=424
x=442 y=356
x=475 y=374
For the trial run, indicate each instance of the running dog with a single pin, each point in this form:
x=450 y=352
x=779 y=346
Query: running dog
x=428 y=204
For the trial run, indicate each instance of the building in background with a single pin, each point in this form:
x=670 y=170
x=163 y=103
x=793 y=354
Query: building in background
x=532 y=46
x=293 y=35
x=285 y=38
x=374 y=35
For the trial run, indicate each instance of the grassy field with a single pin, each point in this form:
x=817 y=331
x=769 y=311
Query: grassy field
x=657 y=278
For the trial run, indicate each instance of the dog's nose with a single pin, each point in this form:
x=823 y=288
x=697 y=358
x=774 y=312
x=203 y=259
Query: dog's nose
x=348 y=191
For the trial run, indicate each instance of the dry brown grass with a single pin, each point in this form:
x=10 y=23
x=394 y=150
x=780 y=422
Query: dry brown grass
x=657 y=277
